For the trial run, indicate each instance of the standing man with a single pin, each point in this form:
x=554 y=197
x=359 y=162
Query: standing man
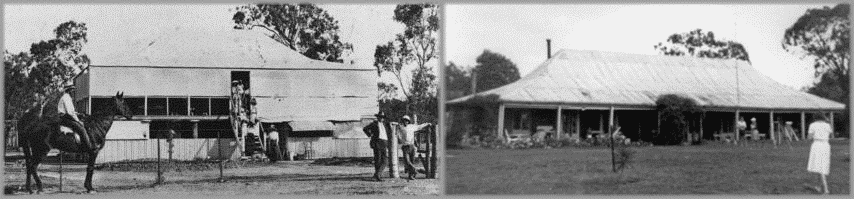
x=407 y=138
x=378 y=132
x=68 y=116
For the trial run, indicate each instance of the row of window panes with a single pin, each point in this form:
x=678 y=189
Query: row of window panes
x=168 y=106
x=184 y=129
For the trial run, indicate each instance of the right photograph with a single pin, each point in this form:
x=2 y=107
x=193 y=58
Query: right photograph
x=647 y=99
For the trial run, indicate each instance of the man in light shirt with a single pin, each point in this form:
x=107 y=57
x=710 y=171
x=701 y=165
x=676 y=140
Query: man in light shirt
x=68 y=116
x=407 y=140
x=378 y=132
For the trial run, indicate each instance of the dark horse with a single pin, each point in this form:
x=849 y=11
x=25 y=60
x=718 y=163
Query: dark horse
x=41 y=133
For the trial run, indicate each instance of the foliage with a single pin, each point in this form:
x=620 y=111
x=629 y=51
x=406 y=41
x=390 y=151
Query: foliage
x=34 y=78
x=823 y=34
x=698 y=43
x=457 y=81
x=624 y=158
x=494 y=70
x=676 y=113
x=304 y=28
x=415 y=46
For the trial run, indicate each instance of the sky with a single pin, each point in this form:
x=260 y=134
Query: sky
x=364 y=26
x=519 y=32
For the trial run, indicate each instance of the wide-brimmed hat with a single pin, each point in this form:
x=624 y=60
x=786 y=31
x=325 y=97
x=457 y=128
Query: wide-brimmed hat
x=406 y=118
x=70 y=87
x=380 y=115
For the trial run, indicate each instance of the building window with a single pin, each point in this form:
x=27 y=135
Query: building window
x=160 y=129
x=178 y=106
x=310 y=134
x=210 y=129
x=136 y=105
x=101 y=105
x=156 y=106
x=219 y=106
x=199 y=106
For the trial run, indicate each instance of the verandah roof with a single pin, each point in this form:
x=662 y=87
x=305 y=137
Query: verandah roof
x=618 y=79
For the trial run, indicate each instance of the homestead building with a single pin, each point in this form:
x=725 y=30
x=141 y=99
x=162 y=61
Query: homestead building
x=576 y=93
x=182 y=80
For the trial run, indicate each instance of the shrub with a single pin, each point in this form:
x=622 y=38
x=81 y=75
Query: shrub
x=676 y=113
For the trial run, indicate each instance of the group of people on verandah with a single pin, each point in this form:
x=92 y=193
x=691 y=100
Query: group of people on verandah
x=380 y=130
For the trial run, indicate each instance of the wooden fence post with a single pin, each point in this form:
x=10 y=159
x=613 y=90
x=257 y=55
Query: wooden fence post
x=433 y=159
x=393 y=157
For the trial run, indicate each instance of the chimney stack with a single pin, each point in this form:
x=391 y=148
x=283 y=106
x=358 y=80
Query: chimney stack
x=548 y=48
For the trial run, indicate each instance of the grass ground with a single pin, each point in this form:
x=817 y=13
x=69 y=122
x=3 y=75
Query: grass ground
x=712 y=168
x=298 y=177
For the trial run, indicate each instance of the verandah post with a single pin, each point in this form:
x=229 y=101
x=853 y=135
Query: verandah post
x=500 y=131
x=803 y=125
x=735 y=127
x=771 y=128
x=558 y=123
x=611 y=136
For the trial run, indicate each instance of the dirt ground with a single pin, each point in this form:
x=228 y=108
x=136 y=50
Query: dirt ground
x=297 y=177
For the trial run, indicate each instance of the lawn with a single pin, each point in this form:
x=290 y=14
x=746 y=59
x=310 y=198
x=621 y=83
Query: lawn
x=712 y=168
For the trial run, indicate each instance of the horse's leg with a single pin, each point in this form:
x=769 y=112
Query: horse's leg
x=30 y=171
x=90 y=168
x=37 y=157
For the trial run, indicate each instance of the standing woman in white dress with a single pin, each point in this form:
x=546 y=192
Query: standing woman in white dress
x=819 y=160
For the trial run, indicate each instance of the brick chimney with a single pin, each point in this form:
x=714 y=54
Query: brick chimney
x=548 y=48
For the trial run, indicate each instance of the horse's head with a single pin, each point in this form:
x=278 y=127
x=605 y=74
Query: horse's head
x=122 y=108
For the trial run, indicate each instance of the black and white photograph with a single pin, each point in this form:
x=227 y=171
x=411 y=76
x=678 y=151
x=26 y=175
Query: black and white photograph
x=647 y=99
x=221 y=99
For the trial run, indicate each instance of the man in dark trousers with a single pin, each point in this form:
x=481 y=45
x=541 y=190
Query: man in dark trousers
x=378 y=132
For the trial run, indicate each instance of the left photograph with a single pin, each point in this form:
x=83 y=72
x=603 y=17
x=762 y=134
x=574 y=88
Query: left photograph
x=221 y=99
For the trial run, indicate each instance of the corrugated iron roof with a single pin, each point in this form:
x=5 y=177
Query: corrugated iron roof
x=184 y=47
x=610 y=78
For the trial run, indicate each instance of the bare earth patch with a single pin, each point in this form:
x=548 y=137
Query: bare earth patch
x=299 y=177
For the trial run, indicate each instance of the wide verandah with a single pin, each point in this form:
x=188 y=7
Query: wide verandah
x=641 y=123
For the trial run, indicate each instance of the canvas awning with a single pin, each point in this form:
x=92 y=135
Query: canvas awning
x=312 y=125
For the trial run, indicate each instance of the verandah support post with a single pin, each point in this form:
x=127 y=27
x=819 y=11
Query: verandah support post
x=771 y=128
x=803 y=125
x=559 y=123
x=611 y=136
x=832 y=127
x=578 y=124
x=500 y=131
x=702 y=117
x=735 y=127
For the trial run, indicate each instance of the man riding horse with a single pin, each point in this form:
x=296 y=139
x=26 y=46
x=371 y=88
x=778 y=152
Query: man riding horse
x=68 y=116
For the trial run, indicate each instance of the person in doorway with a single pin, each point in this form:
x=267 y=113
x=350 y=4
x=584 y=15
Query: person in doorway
x=68 y=117
x=754 y=131
x=378 y=132
x=407 y=140
x=273 y=149
x=819 y=159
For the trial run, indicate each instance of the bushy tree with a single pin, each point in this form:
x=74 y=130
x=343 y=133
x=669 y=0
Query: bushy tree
x=676 y=114
x=457 y=81
x=494 y=70
x=35 y=78
x=698 y=43
x=304 y=28
x=415 y=46
x=823 y=35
